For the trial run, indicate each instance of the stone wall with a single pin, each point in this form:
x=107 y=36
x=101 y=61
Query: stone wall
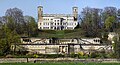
x=33 y=60
x=12 y=60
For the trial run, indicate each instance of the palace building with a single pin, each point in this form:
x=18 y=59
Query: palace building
x=57 y=21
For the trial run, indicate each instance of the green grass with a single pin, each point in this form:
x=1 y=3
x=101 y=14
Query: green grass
x=77 y=33
x=59 y=63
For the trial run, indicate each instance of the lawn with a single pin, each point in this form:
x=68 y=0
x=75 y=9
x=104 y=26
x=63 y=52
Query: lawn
x=72 y=63
x=77 y=33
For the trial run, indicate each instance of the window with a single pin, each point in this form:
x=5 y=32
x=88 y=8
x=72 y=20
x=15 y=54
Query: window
x=95 y=40
x=51 y=23
x=75 y=23
x=72 y=40
x=51 y=27
x=40 y=28
x=98 y=40
x=75 y=9
x=58 y=23
x=43 y=23
x=40 y=23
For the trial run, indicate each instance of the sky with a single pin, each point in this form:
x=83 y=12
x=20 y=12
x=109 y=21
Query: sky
x=29 y=7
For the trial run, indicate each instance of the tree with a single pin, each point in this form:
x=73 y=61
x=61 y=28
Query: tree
x=110 y=13
x=109 y=23
x=118 y=19
x=17 y=18
x=91 y=21
x=3 y=19
x=7 y=38
x=31 y=26
x=116 y=47
x=16 y=14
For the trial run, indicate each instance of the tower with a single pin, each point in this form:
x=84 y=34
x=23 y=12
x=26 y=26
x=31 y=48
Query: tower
x=40 y=18
x=40 y=13
x=75 y=13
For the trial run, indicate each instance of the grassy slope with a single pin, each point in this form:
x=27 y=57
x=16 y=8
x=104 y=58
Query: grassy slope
x=77 y=33
x=60 y=63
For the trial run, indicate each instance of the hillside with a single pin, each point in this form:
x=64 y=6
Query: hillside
x=77 y=33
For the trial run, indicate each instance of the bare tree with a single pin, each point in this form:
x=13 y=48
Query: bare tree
x=91 y=21
x=17 y=18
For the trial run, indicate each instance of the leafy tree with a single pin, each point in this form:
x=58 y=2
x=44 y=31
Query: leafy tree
x=109 y=22
x=110 y=13
x=31 y=26
x=117 y=50
x=2 y=46
x=12 y=26
x=10 y=23
x=118 y=15
x=116 y=47
x=7 y=39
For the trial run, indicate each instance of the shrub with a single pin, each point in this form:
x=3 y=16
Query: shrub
x=35 y=56
x=93 y=55
x=80 y=53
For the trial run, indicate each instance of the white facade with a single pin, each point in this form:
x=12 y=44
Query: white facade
x=91 y=41
x=57 y=21
x=59 y=49
x=61 y=41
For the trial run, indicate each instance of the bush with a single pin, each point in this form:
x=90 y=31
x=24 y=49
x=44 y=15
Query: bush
x=80 y=54
x=73 y=55
x=93 y=55
x=35 y=56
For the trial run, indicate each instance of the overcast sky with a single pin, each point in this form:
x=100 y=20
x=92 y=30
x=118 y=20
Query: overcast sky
x=29 y=7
